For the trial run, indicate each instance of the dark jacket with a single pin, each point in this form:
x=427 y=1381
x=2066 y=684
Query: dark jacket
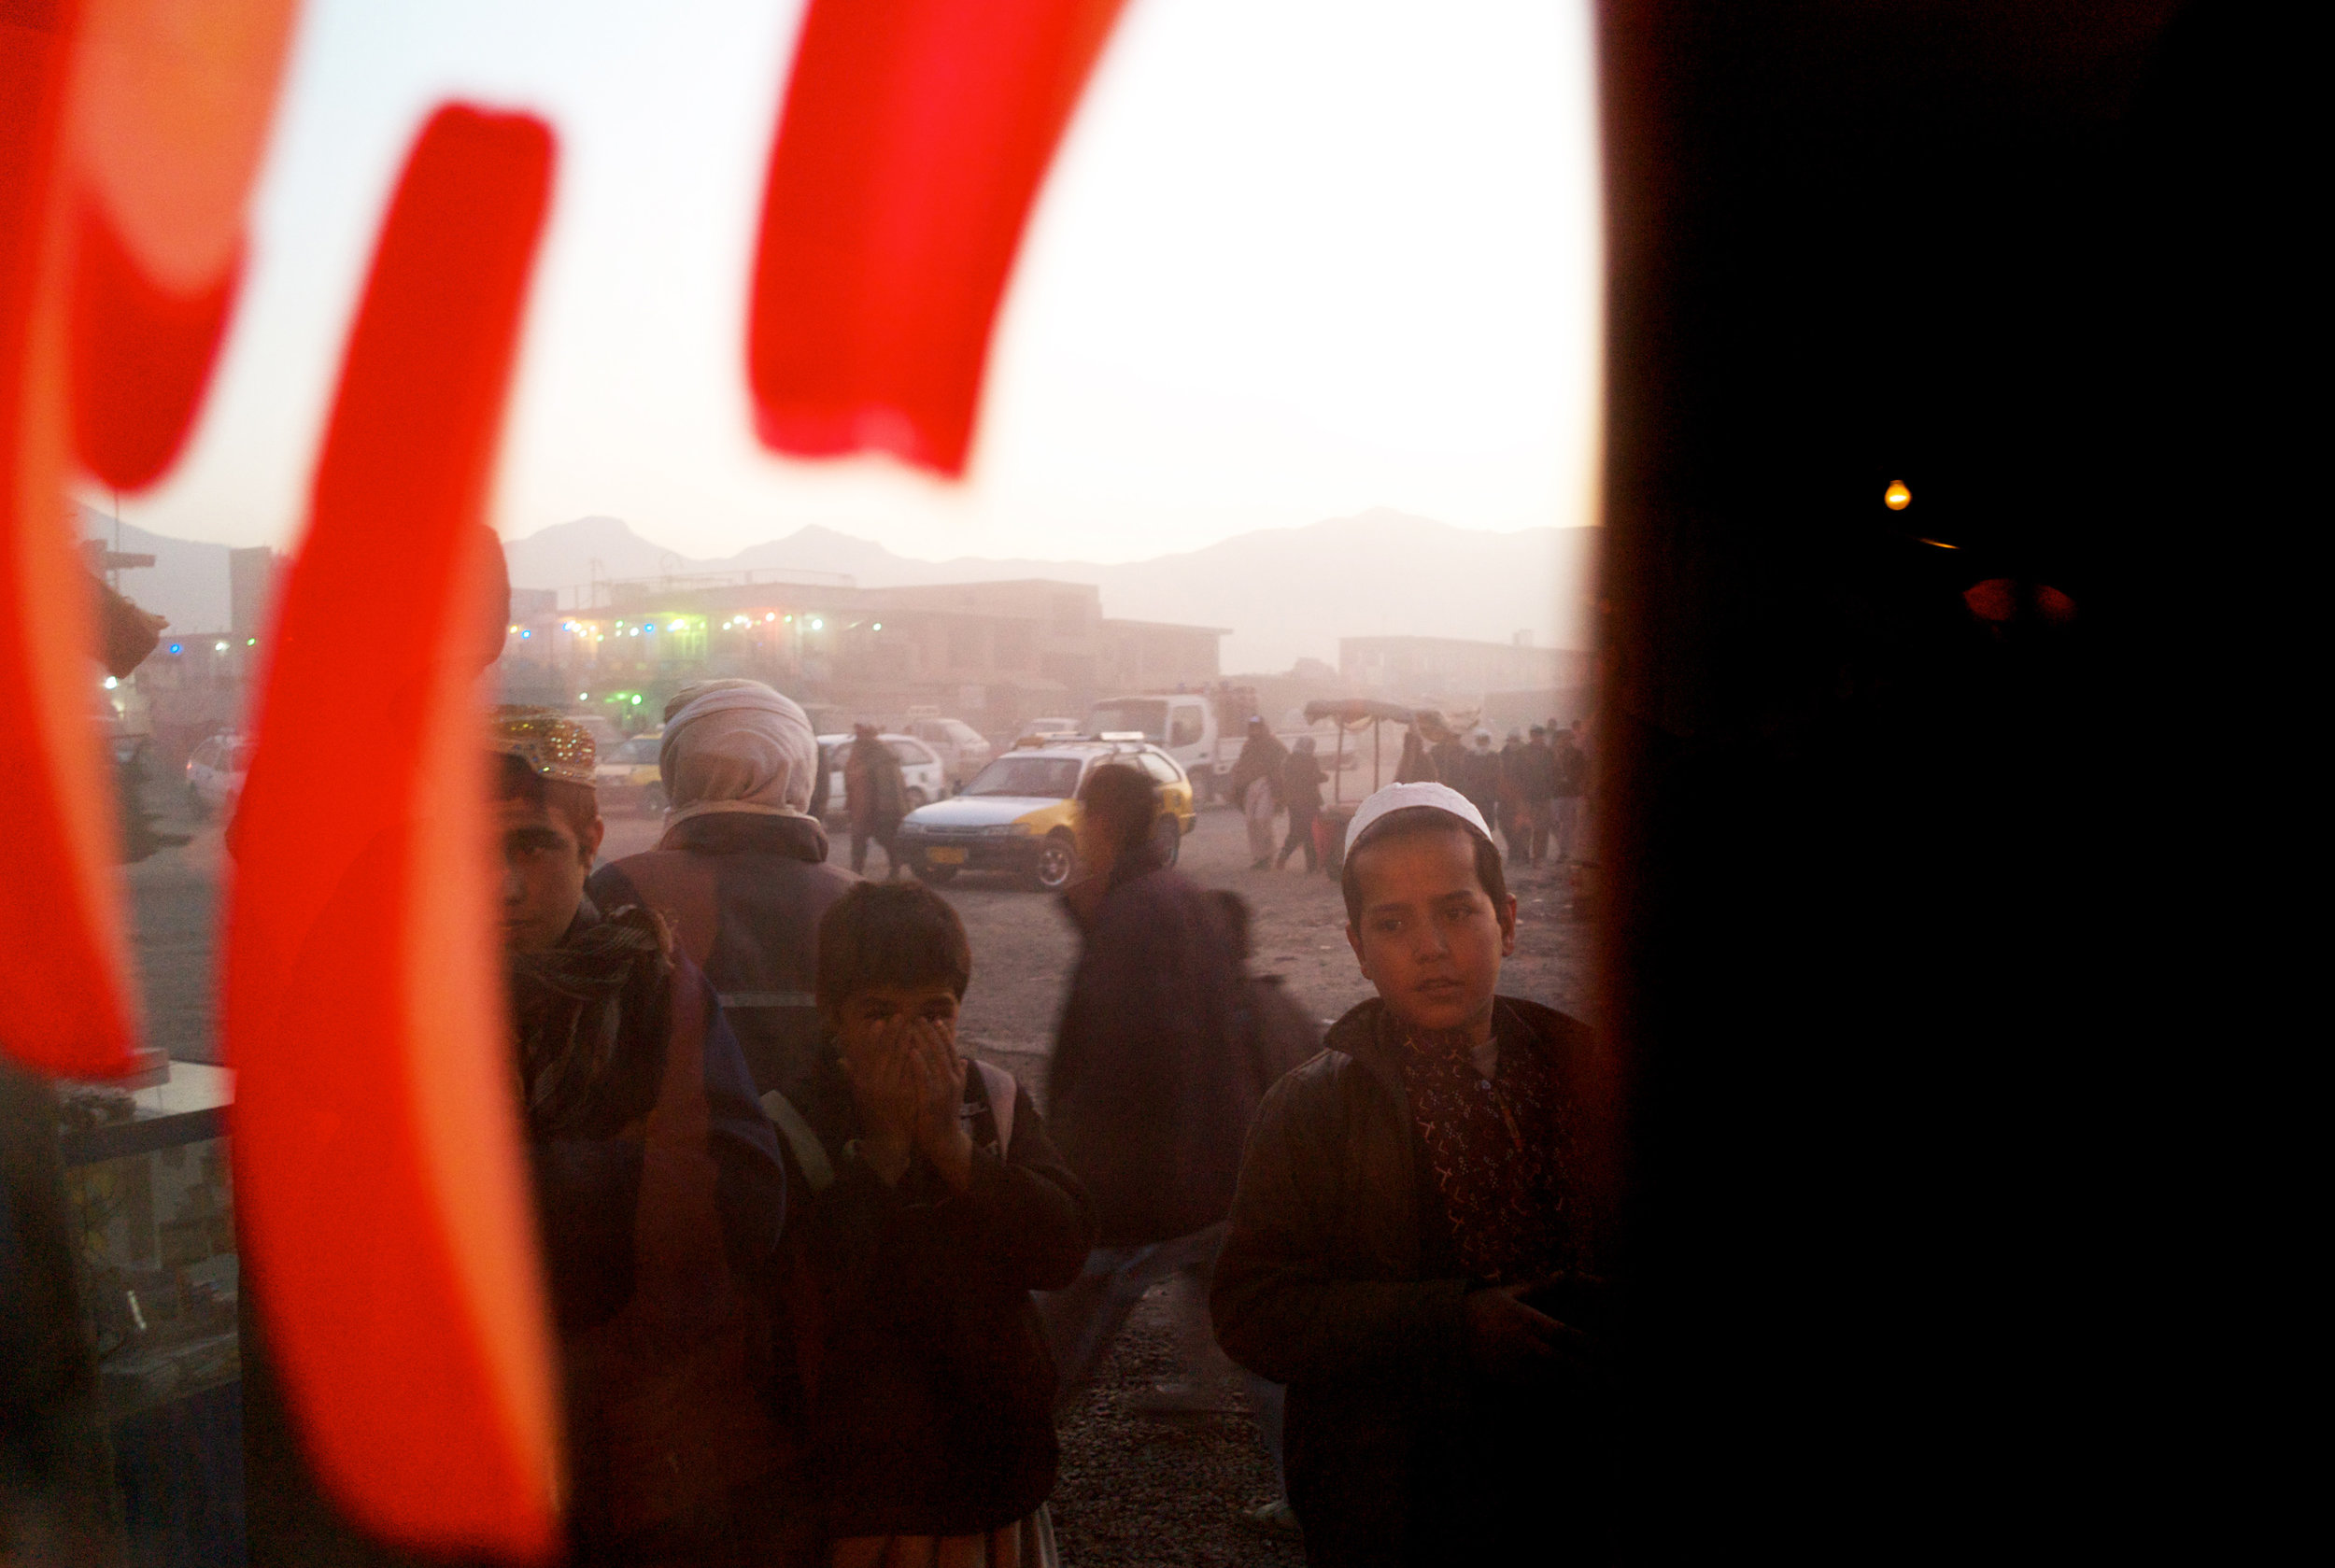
x=1536 y=771
x=745 y=892
x=657 y=1241
x=1261 y=757
x=1416 y=766
x=1329 y=1282
x=928 y=1399
x=1568 y=768
x=874 y=791
x=1153 y=1084
x=1302 y=779
x=1479 y=781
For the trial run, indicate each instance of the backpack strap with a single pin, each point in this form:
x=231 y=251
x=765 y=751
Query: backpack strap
x=810 y=1153
x=1000 y=1086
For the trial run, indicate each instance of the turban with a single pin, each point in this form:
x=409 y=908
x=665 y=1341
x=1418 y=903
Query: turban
x=734 y=745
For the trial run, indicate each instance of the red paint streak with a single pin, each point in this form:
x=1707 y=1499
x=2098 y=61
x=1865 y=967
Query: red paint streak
x=65 y=1004
x=141 y=357
x=912 y=141
x=378 y=1165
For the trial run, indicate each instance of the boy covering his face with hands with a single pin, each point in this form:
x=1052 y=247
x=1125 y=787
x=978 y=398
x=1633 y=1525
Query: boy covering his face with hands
x=938 y=1202
x=1413 y=1242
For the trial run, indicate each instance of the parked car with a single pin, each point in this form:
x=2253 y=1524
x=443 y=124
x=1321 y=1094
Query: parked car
x=215 y=773
x=921 y=769
x=628 y=776
x=1020 y=814
x=963 y=751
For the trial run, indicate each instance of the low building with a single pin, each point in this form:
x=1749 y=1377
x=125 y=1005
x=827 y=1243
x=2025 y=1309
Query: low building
x=993 y=654
x=1457 y=673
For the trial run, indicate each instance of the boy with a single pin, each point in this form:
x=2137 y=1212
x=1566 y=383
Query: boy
x=938 y=1202
x=1410 y=1240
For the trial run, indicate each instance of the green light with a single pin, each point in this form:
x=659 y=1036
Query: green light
x=636 y=700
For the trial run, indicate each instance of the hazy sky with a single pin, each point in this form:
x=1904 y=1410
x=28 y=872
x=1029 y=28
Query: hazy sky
x=1297 y=257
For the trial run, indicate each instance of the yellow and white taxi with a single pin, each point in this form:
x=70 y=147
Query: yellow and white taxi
x=1020 y=814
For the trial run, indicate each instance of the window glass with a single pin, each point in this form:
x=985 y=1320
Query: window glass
x=910 y=753
x=1051 y=778
x=1186 y=727
x=1150 y=716
x=643 y=748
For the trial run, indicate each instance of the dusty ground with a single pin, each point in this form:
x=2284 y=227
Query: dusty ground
x=1133 y=1492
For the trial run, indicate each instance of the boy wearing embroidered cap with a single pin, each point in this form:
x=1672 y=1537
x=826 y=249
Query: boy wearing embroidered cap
x=1413 y=1242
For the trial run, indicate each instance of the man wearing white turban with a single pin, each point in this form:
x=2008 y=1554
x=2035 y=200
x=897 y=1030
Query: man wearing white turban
x=742 y=871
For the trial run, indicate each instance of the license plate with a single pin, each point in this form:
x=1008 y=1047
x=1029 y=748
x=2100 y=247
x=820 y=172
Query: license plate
x=945 y=856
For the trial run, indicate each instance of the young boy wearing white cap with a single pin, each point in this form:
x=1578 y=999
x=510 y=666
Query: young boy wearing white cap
x=1411 y=1246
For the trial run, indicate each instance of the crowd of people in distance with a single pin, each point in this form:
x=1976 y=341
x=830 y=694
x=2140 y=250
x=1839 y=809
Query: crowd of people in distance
x=821 y=1284
x=1535 y=790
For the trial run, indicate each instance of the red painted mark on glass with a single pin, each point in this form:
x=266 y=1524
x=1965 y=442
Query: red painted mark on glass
x=378 y=1170
x=910 y=150
x=141 y=355
x=65 y=1003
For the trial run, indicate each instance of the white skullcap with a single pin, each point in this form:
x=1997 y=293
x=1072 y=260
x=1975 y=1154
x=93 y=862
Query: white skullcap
x=1402 y=797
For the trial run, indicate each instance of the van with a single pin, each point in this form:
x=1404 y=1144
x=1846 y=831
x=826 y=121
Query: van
x=1183 y=724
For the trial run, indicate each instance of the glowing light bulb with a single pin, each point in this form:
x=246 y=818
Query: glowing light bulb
x=1897 y=497
x=112 y=683
x=583 y=696
x=220 y=647
x=817 y=625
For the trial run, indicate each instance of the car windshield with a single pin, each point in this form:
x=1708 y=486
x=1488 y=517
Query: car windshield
x=239 y=761
x=639 y=749
x=1053 y=778
x=1149 y=716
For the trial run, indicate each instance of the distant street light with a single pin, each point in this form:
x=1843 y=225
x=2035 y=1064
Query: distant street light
x=1897 y=497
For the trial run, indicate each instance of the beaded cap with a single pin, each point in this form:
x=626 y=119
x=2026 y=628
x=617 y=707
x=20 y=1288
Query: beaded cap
x=547 y=741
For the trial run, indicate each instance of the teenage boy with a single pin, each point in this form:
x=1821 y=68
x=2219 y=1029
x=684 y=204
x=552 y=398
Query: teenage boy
x=658 y=1190
x=938 y=1202
x=1410 y=1246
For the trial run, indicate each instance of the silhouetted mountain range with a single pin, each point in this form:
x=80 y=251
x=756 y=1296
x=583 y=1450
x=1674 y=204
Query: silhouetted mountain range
x=1284 y=593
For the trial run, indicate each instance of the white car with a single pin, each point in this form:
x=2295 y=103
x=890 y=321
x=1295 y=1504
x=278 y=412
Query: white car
x=926 y=776
x=215 y=773
x=962 y=749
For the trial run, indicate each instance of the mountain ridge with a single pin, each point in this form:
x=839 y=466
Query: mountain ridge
x=1286 y=592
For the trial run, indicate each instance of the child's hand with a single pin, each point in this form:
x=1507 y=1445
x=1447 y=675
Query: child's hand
x=939 y=1127
x=887 y=1087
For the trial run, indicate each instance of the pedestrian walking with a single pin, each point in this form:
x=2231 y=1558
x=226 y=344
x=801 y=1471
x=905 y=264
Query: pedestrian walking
x=741 y=871
x=1536 y=767
x=1415 y=766
x=1516 y=821
x=1151 y=1090
x=1413 y=1246
x=876 y=795
x=1568 y=782
x=1450 y=756
x=1480 y=776
x=935 y=1202
x=1302 y=779
x=1256 y=785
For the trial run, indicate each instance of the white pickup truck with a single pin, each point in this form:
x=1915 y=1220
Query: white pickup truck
x=1201 y=730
